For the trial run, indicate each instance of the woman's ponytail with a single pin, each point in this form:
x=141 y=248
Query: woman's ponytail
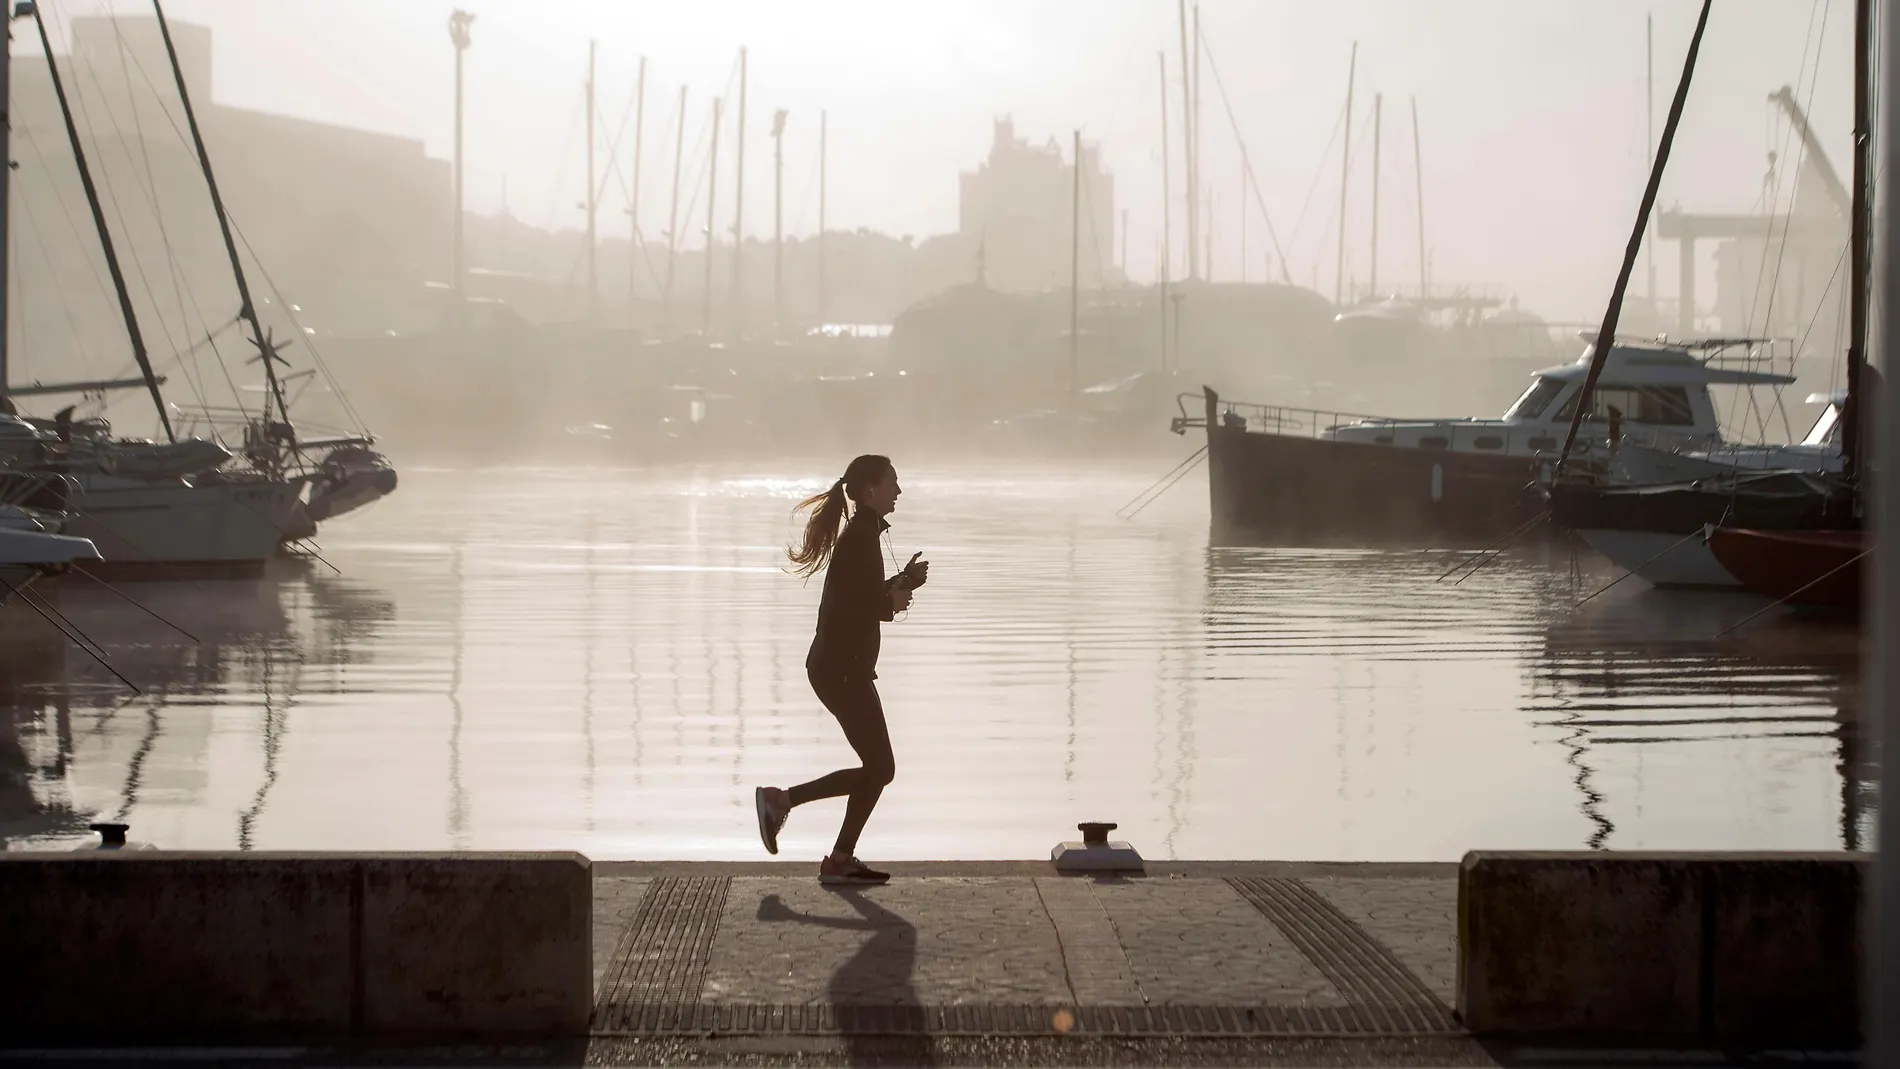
x=826 y=514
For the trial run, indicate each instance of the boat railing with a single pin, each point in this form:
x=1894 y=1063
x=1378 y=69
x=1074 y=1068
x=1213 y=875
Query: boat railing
x=1453 y=435
x=1268 y=419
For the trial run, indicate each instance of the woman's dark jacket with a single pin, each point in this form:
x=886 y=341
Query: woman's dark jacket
x=856 y=600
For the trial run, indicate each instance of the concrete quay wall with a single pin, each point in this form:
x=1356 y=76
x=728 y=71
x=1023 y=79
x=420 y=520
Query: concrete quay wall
x=1750 y=949
x=1737 y=950
x=140 y=945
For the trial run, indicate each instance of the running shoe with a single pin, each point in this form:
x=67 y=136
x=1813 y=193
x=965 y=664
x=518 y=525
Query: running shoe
x=770 y=803
x=849 y=870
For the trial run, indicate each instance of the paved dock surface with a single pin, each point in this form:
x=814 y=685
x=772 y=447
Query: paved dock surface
x=964 y=964
x=1013 y=952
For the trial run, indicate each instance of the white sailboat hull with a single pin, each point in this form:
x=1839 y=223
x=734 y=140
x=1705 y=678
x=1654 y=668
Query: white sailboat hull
x=171 y=530
x=1661 y=558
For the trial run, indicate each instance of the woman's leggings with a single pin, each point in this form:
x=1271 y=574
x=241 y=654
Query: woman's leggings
x=855 y=704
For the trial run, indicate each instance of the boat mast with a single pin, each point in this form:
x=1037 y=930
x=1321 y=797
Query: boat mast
x=1881 y=944
x=823 y=118
x=1378 y=108
x=593 y=266
x=673 y=209
x=1075 y=275
x=1606 y=334
x=1187 y=143
x=737 y=299
x=105 y=235
x=6 y=203
x=267 y=353
x=633 y=196
x=1345 y=170
x=458 y=36
x=1167 y=213
x=1418 y=174
x=712 y=236
x=1858 y=248
x=1204 y=214
x=1649 y=140
x=778 y=220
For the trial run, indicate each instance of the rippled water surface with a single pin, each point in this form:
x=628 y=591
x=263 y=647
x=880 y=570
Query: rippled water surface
x=611 y=660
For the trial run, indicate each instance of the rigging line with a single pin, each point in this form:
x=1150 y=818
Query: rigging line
x=574 y=127
x=1246 y=158
x=52 y=616
x=1192 y=457
x=1637 y=569
x=1318 y=173
x=1192 y=463
x=1365 y=134
x=135 y=603
x=104 y=177
x=16 y=292
x=53 y=273
x=1499 y=551
x=1497 y=545
x=646 y=247
x=1794 y=187
x=1797 y=592
x=179 y=282
x=1808 y=47
x=148 y=185
x=308 y=336
x=59 y=198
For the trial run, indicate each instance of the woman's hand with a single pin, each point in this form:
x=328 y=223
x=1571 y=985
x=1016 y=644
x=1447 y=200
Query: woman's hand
x=900 y=598
x=917 y=571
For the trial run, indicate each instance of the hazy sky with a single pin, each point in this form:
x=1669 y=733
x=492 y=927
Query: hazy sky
x=1532 y=113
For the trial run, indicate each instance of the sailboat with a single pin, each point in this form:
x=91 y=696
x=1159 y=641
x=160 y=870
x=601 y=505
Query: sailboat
x=1658 y=529
x=350 y=474
x=174 y=509
x=30 y=547
x=1809 y=566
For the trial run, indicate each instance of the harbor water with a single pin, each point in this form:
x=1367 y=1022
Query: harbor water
x=610 y=660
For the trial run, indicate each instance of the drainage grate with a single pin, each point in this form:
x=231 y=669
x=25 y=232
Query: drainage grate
x=1376 y=985
x=660 y=964
x=981 y=1020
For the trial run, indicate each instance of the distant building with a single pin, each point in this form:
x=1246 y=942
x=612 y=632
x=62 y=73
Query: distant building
x=1018 y=204
x=348 y=223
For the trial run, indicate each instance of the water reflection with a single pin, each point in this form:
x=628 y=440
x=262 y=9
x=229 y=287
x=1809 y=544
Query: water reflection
x=609 y=661
x=209 y=658
x=1651 y=679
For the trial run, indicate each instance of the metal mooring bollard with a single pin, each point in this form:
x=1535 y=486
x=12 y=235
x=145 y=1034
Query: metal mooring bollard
x=1095 y=853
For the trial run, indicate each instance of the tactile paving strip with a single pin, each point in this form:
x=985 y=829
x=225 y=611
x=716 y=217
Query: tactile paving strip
x=660 y=964
x=1378 y=987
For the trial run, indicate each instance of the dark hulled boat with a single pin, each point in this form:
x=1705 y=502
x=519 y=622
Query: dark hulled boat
x=1804 y=567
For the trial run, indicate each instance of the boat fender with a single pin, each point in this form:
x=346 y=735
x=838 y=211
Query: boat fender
x=1438 y=483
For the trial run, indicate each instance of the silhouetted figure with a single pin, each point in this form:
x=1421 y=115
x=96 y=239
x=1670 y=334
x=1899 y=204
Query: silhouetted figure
x=842 y=664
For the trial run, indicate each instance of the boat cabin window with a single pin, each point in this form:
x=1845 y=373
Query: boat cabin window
x=1535 y=399
x=1826 y=430
x=1666 y=406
